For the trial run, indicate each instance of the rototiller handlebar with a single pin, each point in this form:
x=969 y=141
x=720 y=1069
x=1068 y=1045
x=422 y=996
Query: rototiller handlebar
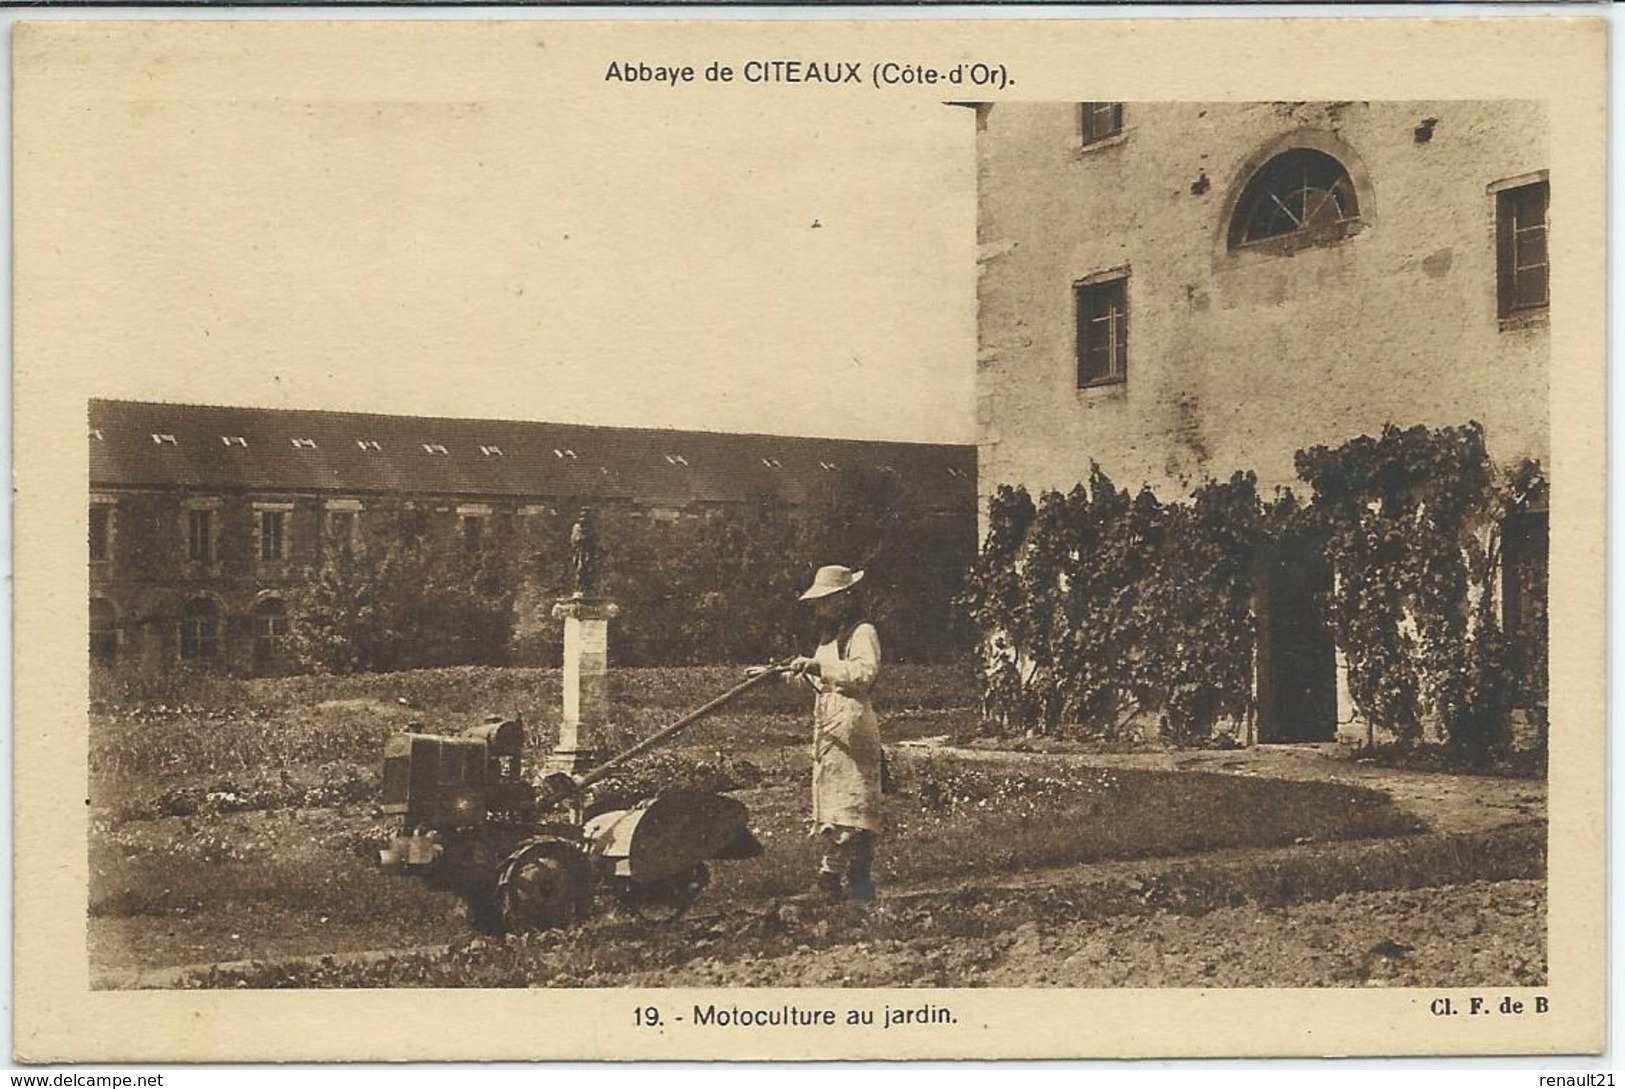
x=560 y=785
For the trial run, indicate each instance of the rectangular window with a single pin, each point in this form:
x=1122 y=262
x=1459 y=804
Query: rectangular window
x=473 y=527
x=1101 y=121
x=270 y=629
x=273 y=535
x=101 y=532
x=103 y=632
x=341 y=530
x=1520 y=234
x=200 y=536
x=1102 y=332
x=200 y=639
x=200 y=631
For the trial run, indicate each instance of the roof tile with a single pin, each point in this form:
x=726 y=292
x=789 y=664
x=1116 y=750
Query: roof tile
x=353 y=453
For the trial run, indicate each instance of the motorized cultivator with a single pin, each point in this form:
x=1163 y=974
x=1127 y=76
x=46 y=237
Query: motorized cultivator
x=527 y=856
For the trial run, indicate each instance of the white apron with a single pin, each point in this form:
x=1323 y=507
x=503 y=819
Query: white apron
x=846 y=735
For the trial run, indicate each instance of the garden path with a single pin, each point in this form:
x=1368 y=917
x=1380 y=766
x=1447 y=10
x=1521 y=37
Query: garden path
x=1447 y=801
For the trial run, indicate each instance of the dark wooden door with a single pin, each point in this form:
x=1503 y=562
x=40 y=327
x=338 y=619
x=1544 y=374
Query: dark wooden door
x=1297 y=664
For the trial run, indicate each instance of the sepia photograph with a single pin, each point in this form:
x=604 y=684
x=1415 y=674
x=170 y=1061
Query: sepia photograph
x=806 y=570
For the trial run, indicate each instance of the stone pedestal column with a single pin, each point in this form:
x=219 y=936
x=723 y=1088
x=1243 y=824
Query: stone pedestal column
x=586 y=682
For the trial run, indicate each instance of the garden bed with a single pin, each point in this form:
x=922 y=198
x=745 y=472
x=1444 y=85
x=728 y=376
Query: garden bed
x=231 y=831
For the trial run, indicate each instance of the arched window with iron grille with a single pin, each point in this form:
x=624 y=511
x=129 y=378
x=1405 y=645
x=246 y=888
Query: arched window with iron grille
x=1300 y=196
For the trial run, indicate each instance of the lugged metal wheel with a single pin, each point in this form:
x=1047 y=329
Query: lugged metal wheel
x=669 y=900
x=542 y=885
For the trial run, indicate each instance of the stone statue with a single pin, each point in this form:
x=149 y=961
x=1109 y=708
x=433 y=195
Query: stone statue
x=584 y=554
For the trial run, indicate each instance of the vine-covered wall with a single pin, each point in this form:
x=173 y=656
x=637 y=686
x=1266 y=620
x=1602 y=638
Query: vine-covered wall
x=1103 y=610
x=1104 y=613
x=1414 y=524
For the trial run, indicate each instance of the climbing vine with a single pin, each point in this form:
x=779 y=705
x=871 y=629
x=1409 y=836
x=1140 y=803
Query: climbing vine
x=1414 y=533
x=995 y=601
x=1099 y=607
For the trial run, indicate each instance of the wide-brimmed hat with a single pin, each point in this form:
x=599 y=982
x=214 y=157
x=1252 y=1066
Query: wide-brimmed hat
x=832 y=579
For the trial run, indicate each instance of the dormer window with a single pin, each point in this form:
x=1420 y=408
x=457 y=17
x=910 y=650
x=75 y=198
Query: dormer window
x=676 y=459
x=434 y=448
x=370 y=445
x=491 y=451
x=303 y=444
x=96 y=434
x=772 y=463
x=163 y=439
x=564 y=455
x=828 y=466
x=234 y=440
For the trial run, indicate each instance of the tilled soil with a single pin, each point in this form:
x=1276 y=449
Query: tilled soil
x=1484 y=933
x=1492 y=933
x=1435 y=909
x=1310 y=915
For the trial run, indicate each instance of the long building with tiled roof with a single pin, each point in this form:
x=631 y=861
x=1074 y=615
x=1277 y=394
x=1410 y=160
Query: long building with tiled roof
x=204 y=519
x=138 y=444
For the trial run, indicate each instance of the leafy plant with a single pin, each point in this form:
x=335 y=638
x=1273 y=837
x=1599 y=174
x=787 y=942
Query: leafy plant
x=701 y=586
x=410 y=595
x=1098 y=607
x=1414 y=521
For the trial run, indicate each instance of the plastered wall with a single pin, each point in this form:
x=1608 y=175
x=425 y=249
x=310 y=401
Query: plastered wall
x=1239 y=358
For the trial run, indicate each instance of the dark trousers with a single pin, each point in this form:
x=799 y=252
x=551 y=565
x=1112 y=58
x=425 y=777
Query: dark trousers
x=849 y=853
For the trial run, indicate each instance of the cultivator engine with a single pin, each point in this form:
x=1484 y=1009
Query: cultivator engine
x=527 y=856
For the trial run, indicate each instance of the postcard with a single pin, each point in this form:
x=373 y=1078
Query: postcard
x=703 y=538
